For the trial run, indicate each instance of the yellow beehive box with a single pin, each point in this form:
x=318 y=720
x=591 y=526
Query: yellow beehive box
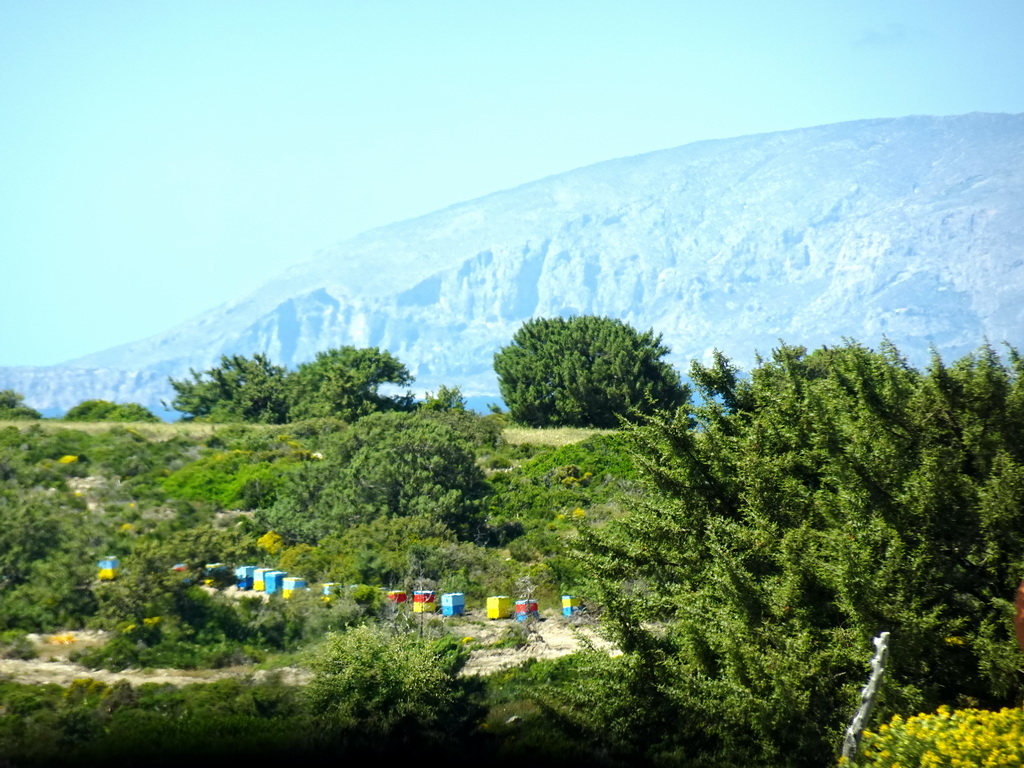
x=258 y=583
x=291 y=585
x=570 y=605
x=499 y=607
x=424 y=601
x=108 y=568
x=327 y=589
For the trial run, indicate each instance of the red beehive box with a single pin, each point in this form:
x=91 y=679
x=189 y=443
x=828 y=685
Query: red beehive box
x=525 y=609
x=424 y=601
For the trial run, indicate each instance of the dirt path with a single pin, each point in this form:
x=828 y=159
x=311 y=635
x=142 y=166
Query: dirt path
x=64 y=672
x=545 y=639
x=52 y=666
x=548 y=638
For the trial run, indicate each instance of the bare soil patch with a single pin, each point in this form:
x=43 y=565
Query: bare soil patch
x=547 y=638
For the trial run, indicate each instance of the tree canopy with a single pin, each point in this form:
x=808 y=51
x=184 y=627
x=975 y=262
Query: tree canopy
x=445 y=399
x=791 y=516
x=584 y=371
x=239 y=389
x=104 y=410
x=13 y=408
x=387 y=465
x=343 y=383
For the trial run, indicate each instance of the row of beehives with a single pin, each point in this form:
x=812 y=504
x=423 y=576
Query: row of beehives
x=498 y=606
x=272 y=582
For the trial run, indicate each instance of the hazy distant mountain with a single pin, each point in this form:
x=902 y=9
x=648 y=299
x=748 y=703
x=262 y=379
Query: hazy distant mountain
x=911 y=228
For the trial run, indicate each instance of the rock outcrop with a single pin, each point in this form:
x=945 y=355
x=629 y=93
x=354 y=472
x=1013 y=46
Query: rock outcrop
x=908 y=228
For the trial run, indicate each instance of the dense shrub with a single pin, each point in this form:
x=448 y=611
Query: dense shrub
x=92 y=723
x=396 y=688
x=43 y=561
x=232 y=480
x=104 y=410
x=602 y=456
x=388 y=465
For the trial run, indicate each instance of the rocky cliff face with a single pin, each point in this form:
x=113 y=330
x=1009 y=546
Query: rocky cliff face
x=911 y=229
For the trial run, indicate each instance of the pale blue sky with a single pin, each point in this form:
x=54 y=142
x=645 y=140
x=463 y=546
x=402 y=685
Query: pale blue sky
x=160 y=158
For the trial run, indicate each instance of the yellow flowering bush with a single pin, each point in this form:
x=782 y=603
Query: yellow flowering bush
x=964 y=738
x=68 y=459
x=270 y=542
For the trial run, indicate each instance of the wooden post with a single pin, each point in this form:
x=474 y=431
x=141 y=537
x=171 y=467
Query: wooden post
x=867 y=697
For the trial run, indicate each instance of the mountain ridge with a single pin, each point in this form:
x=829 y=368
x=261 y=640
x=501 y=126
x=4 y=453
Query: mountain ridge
x=906 y=228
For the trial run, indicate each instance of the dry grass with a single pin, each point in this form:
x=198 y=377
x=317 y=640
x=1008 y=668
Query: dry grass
x=151 y=430
x=555 y=436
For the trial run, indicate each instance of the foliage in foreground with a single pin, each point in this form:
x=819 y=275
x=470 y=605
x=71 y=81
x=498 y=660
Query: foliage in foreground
x=964 y=738
x=789 y=518
x=784 y=520
x=92 y=723
x=388 y=686
x=373 y=692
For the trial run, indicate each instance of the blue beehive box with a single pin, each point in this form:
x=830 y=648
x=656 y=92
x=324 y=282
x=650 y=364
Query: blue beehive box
x=453 y=604
x=244 y=576
x=274 y=581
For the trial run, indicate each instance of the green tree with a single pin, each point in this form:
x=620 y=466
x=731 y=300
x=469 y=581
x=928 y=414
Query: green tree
x=387 y=465
x=239 y=389
x=445 y=399
x=104 y=410
x=584 y=371
x=345 y=383
x=791 y=516
x=13 y=408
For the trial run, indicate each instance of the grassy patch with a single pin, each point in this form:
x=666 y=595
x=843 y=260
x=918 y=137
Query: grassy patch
x=555 y=436
x=149 y=430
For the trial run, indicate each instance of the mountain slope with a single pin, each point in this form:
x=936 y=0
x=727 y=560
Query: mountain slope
x=910 y=228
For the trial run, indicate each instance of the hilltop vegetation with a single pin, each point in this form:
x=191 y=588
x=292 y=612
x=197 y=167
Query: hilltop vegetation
x=742 y=549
